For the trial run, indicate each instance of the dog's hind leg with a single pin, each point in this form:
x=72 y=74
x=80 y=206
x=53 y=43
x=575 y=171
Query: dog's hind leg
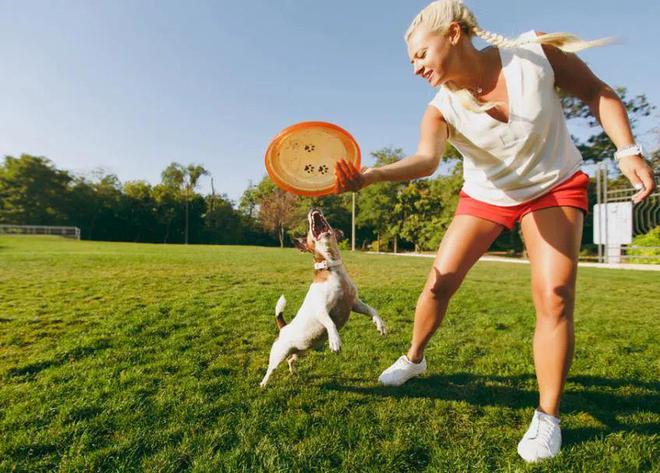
x=362 y=308
x=278 y=353
x=291 y=360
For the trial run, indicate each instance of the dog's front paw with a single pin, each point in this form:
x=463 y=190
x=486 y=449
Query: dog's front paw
x=334 y=342
x=380 y=325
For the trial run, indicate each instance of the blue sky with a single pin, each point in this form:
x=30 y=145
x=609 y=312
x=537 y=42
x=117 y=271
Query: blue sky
x=130 y=86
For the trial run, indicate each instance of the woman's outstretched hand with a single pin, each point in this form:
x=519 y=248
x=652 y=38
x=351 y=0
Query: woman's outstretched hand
x=640 y=176
x=349 y=178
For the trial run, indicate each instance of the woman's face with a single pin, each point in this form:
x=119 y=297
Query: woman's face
x=431 y=55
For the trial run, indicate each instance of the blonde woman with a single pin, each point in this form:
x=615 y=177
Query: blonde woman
x=498 y=106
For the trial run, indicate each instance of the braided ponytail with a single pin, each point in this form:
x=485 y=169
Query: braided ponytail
x=569 y=43
x=495 y=39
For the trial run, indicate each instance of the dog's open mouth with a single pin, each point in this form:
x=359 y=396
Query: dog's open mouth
x=318 y=224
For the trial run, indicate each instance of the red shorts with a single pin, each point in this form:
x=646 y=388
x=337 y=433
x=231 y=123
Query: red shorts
x=570 y=193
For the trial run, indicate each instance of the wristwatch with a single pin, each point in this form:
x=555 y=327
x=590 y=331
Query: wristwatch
x=629 y=150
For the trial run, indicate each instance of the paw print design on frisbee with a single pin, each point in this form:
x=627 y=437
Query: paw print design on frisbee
x=301 y=158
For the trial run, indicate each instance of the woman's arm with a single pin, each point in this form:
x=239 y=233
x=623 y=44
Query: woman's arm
x=575 y=77
x=432 y=143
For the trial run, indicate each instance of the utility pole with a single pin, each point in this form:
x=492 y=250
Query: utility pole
x=353 y=225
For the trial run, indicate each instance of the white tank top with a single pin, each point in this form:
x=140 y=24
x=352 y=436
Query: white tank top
x=510 y=163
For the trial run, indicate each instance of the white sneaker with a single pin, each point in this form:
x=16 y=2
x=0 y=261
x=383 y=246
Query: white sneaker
x=401 y=371
x=542 y=439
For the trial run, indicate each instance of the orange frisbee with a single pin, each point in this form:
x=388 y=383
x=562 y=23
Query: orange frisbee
x=301 y=158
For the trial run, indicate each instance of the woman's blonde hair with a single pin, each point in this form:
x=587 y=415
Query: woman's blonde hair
x=437 y=16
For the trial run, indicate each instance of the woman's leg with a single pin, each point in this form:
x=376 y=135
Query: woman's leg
x=552 y=238
x=466 y=240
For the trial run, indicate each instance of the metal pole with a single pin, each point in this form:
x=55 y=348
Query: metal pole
x=607 y=229
x=353 y=225
x=600 y=219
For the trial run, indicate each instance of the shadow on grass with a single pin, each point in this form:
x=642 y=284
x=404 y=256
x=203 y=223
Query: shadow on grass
x=30 y=370
x=606 y=399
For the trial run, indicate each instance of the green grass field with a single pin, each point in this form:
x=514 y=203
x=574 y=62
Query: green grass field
x=124 y=357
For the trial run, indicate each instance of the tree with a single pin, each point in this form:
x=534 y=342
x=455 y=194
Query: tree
x=106 y=222
x=598 y=147
x=426 y=207
x=278 y=212
x=193 y=173
x=377 y=204
x=82 y=204
x=33 y=191
x=139 y=210
x=655 y=160
x=249 y=202
x=185 y=181
x=167 y=202
x=385 y=207
x=221 y=221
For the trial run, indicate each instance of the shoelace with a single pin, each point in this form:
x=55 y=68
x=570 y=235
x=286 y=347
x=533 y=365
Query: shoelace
x=545 y=432
x=401 y=363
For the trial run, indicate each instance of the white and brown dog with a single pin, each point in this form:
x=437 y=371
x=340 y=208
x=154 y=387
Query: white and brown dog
x=328 y=303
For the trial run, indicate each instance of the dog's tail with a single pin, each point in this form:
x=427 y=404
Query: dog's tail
x=279 y=311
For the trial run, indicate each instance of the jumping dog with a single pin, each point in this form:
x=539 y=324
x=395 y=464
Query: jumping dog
x=328 y=303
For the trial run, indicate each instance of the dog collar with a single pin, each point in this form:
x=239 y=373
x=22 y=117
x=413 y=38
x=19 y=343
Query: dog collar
x=327 y=264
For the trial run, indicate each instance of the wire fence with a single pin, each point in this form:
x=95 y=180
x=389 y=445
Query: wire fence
x=617 y=221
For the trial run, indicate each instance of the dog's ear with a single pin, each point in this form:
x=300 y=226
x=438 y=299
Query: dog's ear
x=339 y=235
x=301 y=244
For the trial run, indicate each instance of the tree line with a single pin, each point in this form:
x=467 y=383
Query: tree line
x=390 y=216
x=34 y=192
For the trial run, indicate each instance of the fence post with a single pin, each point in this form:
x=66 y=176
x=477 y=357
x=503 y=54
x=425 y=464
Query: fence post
x=607 y=232
x=600 y=220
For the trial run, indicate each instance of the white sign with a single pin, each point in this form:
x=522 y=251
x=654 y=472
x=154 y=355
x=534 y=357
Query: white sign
x=618 y=218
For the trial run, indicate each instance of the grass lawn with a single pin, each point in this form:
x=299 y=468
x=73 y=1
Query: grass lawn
x=123 y=357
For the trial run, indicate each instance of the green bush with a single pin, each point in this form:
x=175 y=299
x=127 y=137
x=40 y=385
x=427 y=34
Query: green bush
x=650 y=255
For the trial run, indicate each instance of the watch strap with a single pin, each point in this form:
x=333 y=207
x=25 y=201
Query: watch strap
x=630 y=150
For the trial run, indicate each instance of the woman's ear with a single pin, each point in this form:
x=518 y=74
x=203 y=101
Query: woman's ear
x=455 y=33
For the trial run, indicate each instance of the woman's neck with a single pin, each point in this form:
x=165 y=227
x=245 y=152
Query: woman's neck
x=477 y=72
